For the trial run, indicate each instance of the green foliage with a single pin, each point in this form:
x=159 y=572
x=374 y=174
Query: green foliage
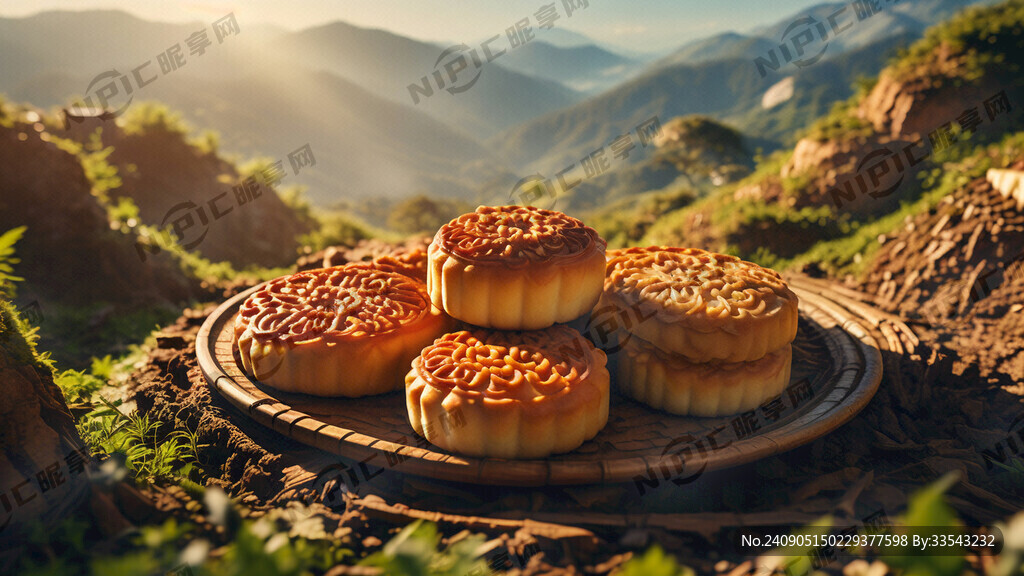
x=414 y=552
x=123 y=216
x=338 y=228
x=59 y=550
x=264 y=547
x=854 y=252
x=78 y=385
x=208 y=142
x=699 y=145
x=149 y=455
x=988 y=37
x=19 y=339
x=422 y=214
x=841 y=122
x=927 y=508
x=7 y=261
x=103 y=368
x=156 y=551
x=625 y=223
x=153 y=117
x=294 y=197
x=83 y=331
x=102 y=174
x=654 y=562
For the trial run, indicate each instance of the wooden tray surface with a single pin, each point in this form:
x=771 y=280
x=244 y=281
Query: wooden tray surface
x=837 y=368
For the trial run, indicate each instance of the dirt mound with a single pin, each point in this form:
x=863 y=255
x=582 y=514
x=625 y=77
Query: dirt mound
x=69 y=252
x=912 y=101
x=958 y=271
x=171 y=180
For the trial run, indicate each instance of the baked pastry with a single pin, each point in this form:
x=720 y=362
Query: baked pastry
x=515 y=268
x=519 y=394
x=699 y=304
x=674 y=384
x=350 y=330
x=411 y=263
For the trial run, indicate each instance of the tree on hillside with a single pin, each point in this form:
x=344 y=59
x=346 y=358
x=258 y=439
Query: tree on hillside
x=422 y=214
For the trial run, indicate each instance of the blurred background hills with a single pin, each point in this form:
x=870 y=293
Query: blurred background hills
x=744 y=158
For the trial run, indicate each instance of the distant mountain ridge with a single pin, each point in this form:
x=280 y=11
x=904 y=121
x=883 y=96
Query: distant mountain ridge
x=345 y=90
x=586 y=68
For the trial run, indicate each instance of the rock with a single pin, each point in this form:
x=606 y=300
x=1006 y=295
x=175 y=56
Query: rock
x=43 y=459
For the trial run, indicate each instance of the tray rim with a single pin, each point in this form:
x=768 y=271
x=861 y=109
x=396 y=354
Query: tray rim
x=351 y=444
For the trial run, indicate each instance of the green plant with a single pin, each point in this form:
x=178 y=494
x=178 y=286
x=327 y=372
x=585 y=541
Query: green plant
x=208 y=142
x=149 y=456
x=19 y=339
x=59 y=550
x=153 y=117
x=986 y=37
x=337 y=228
x=77 y=333
x=654 y=562
x=7 y=260
x=927 y=508
x=78 y=386
x=414 y=552
x=284 y=542
x=422 y=214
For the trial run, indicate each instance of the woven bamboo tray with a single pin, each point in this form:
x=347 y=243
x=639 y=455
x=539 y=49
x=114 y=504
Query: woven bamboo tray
x=837 y=368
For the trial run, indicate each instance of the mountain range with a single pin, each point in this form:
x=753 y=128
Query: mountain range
x=381 y=125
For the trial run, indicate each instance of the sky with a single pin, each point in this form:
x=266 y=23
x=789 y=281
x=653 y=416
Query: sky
x=643 y=26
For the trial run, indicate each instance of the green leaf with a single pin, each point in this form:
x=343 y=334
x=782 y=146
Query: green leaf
x=927 y=508
x=654 y=562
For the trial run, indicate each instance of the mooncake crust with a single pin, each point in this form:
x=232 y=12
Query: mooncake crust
x=343 y=331
x=515 y=268
x=519 y=394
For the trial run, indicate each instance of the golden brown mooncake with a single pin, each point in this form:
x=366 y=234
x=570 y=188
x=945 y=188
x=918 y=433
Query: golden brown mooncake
x=515 y=268
x=411 y=263
x=349 y=330
x=518 y=394
x=701 y=305
x=674 y=384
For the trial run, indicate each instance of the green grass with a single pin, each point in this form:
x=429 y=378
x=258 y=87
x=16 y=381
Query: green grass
x=624 y=223
x=853 y=253
x=986 y=36
x=77 y=333
x=150 y=456
x=19 y=339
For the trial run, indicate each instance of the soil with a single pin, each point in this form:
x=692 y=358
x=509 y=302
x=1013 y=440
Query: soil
x=947 y=399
